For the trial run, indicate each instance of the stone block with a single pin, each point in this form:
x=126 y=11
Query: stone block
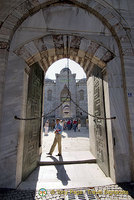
x=5 y=33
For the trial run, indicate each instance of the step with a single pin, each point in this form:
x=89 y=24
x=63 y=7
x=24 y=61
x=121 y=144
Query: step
x=42 y=163
x=72 y=157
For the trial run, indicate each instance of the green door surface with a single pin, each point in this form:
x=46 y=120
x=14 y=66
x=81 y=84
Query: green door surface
x=100 y=129
x=32 y=135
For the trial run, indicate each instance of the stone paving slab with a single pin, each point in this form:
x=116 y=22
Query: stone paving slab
x=68 y=156
x=75 y=148
x=69 y=182
x=66 y=176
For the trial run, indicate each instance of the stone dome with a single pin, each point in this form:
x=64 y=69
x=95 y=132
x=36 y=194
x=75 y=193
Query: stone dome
x=65 y=70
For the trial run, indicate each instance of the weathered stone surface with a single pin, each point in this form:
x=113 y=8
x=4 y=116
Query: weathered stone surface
x=102 y=24
x=56 y=87
x=50 y=49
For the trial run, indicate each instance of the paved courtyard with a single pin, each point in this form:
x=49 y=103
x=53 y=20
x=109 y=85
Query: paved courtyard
x=68 y=181
x=75 y=147
x=71 y=141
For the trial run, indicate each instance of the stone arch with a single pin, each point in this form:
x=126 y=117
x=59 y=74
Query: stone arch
x=65 y=108
x=81 y=95
x=87 y=57
x=64 y=93
x=106 y=15
x=102 y=10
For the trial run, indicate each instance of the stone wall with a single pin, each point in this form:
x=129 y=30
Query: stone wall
x=11 y=130
x=49 y=105
x=82 y=86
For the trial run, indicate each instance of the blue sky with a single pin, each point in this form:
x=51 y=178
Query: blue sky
x=57 y=66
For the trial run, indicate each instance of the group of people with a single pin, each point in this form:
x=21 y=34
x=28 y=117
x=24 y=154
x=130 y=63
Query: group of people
x=66 y=124
x=72 y=124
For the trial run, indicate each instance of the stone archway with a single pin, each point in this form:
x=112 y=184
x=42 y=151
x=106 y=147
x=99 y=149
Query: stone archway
x=111 y=19
x=86 y=57
x=37 y=51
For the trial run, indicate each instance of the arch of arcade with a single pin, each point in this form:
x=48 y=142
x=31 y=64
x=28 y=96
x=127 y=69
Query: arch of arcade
x=33 y=35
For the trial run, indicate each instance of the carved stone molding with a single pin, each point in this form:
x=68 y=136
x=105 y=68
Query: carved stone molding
x=4 y=45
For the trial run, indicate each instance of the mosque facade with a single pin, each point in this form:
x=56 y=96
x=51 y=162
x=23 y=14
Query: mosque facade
x=73 y=101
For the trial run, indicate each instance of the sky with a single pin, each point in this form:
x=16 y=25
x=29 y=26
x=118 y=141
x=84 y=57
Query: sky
x=57 y=66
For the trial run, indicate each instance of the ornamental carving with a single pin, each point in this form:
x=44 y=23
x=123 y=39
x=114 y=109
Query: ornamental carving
x=4 y=45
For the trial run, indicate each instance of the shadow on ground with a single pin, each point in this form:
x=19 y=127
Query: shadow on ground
x=128 y=187
x=12 y=194
x=61 y=172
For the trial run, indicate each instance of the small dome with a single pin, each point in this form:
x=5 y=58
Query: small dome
x=65 y=70
x=47 y=80
x=83 y=80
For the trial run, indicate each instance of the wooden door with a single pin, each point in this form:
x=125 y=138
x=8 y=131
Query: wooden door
x=100 y=124
x=32 y=135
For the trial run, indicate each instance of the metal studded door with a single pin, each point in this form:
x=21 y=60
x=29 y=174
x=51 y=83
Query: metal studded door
x=32 y=135
x=100 y=124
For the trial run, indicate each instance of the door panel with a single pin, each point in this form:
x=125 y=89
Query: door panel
x=33 y=127
x=100 y=124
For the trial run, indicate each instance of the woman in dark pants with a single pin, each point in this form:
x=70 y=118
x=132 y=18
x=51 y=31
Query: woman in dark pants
x=74 y=125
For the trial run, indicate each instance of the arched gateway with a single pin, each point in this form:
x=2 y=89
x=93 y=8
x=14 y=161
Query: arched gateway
x=93 y=34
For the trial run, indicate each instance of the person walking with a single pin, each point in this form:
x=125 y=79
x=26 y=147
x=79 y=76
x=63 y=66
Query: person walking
x=53 y=124
x=57 y=139
x=69 y=124
x=74 y=125
x=87 y=123
x=63 y=124
x=46 y=127
x=79 y=125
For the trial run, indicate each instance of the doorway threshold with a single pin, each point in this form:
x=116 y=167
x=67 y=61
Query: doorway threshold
x=74 y=157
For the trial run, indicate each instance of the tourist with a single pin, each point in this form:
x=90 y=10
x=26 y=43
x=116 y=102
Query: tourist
x=63 y=124
x=46 y=127
x=79 y=125
x=57 y=139
x=74 y=125
x=87 y=123
x=53 y=124
x=69 y=124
